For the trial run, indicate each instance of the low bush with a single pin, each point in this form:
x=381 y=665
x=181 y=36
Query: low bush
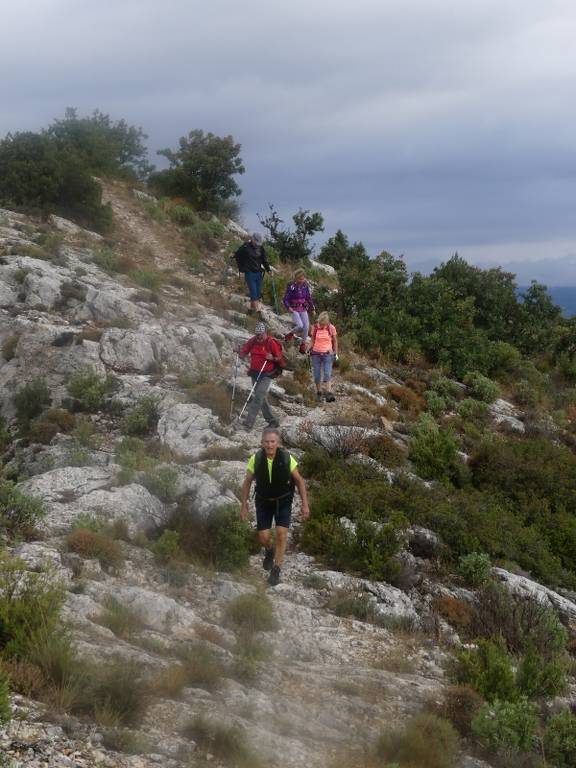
x=488 y=670
x=170 y=682
x=481 y=387
x=506 y=725
x=19 y=513
x=9 y=345
x=460 y=706
x=475 y=568
x=29 y=606
x=143 y=418
x=122 y=620
x=5 y=708
x=167 y=546
x=456 y=612
x=435 y=403
x=30 y=401
x=433 y=450
x=54 y=421
x=147 y=278
x=427 y=741
x=89 y=389
x=358 y=604
x=161 y=482
x=106 y=259
x=220 y=540
x=538 y=677
x=386 y=451
x=251 y=613
x=408 y=400
x=472 y=410
x=114 y=694
x=93 y=545
x=560 y=740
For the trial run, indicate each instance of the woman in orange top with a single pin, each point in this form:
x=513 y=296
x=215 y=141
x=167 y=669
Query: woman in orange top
x=323 y=352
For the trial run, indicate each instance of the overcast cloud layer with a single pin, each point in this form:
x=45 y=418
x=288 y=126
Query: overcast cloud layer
x=417 y=126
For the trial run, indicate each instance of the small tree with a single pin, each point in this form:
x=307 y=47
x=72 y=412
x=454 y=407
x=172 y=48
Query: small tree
x=202 y=170
x=292 y=245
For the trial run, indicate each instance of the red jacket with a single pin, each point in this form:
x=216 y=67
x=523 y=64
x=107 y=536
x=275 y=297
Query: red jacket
x=258 y=351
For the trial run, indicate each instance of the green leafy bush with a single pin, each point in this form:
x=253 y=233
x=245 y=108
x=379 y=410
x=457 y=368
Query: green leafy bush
x=427 y=741
x=481 y=387
x=167 y=546
x=220 y=540
x=460 y=705
x=506 y=725
x=539 y=677
x=433 y=450
x=89 y=389
x=560 y=740
x=114 y=694
x=161 y=482
x=472 y=410
x=143 y=418
x=487 y=669
x=5 y=708
x=475 y=568
x=29 y=605
x=435 y=403
x=30 y=401
x=147 y=278
x=106 y=259
x=19 y=513
x=181 y=214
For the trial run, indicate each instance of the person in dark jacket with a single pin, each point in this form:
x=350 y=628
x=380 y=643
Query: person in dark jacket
x=265 y=356
x=251 y=260
x=276 y=474
x=298 y=300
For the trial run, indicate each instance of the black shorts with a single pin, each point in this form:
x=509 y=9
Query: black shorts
x=280 y=511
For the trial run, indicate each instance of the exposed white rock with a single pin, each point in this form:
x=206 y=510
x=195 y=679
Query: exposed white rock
x=156 y=610
x=188 y=429
x=69 y=228
x=40 y=556
x=504 y=412
x=326 y=268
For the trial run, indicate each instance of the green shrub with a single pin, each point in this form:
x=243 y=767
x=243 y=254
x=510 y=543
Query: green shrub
x=385 y=450
x=526 y=394
x=506 y=725
x=181 y=215
x=475 y=568
x=251 y=613
x=114 y=694
x=560 y=740
x=147 y=278
x=481 y=387
x=89 y=389
x=435 y=403
x=487 y=669
x=106 y=259
x=522 y=624
x=5 y=708
x=448 y=389
x=19 y=513
x=167 y=546
x=161 y=482
x=472 y=410
x=94 y=545
x=119 y=618
x=143 y=418
x=358 y=604
x=132 y=455
x=30 y=400
x=433 y=450
x=220 y=540
x=29 y=605
x=538 y=677
x=427 y=741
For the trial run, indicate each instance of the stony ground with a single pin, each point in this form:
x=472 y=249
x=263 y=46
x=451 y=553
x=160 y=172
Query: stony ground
x=329 y=684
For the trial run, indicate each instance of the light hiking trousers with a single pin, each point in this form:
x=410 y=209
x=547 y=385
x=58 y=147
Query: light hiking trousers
x=259 y=401
x=301 y=323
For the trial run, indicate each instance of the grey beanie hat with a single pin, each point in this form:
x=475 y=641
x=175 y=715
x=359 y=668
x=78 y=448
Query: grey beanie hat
x=257 y=238
x=260 y=328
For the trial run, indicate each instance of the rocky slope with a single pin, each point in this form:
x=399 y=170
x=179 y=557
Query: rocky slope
x=330 y=683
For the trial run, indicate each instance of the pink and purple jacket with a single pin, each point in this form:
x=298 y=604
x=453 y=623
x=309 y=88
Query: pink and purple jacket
x=297 y=298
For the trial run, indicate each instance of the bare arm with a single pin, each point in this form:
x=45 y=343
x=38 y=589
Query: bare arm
x=245 y=494
x=301 y=485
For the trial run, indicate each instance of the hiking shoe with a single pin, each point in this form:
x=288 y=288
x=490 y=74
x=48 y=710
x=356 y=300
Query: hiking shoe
x=302 y=348
x=274 y=424
x=288 y=337
x=329 y=397
x=274 y=577
x=319 y=396
x=268 y=561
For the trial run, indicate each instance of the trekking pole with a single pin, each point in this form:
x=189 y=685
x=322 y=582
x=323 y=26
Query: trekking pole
x=253 y=388
x=234 y=384
x=275 y=295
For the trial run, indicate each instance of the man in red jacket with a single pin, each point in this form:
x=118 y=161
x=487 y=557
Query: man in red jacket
x=265 y=357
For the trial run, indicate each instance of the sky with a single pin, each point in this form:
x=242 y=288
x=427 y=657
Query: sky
x=420 y=127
